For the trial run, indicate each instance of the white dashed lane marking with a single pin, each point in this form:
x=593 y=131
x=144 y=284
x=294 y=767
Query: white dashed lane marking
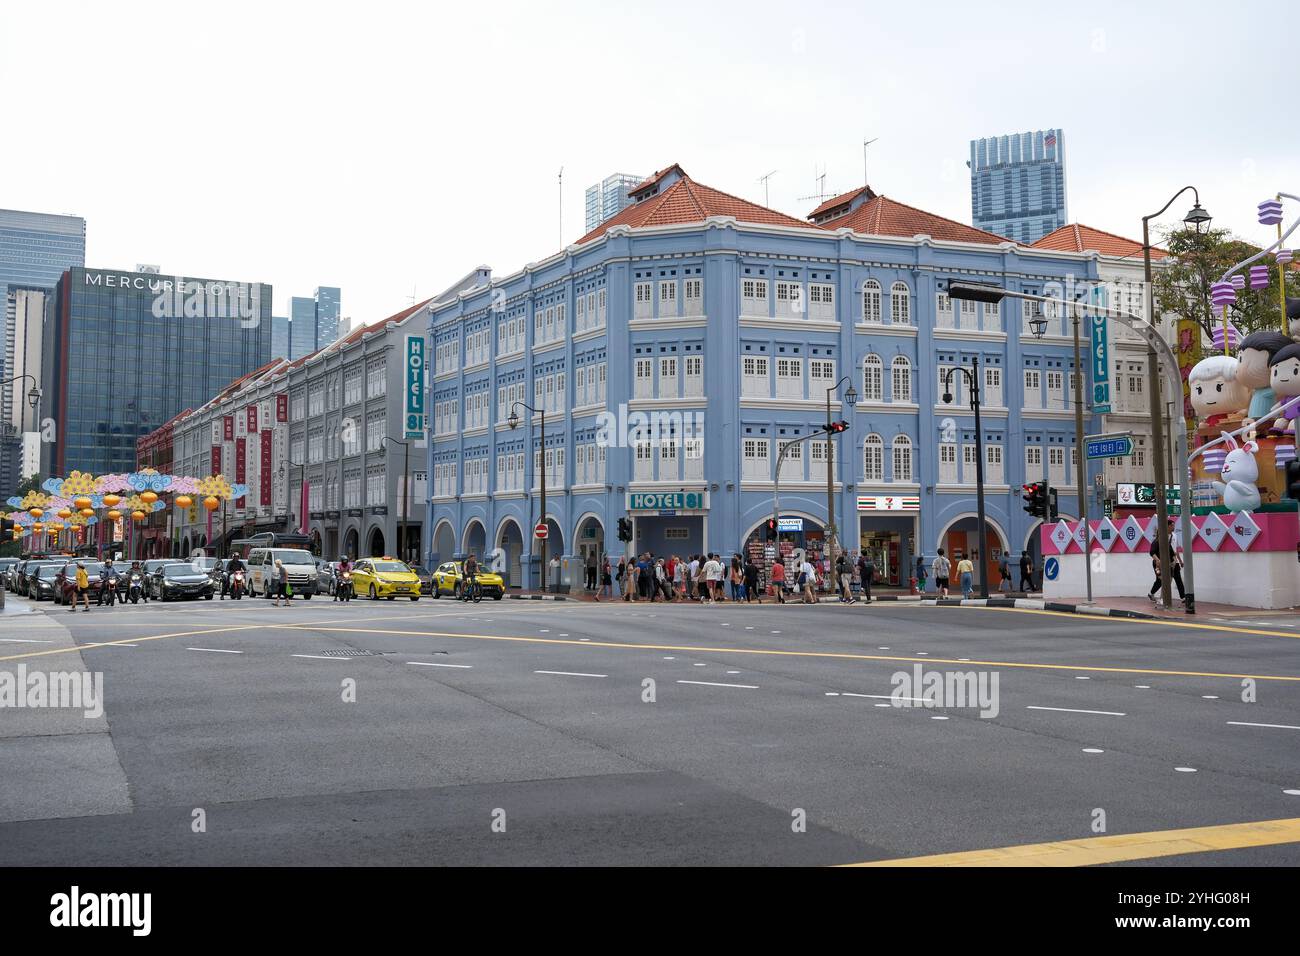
x=22 y=640
x=704 y=683
x=212 y=650
x=1070 y=710
x=431 y=664
x=569 y=674
x=1242 y=723
x=317 y=657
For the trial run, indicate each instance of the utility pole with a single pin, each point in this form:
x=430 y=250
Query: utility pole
x=1080 y=461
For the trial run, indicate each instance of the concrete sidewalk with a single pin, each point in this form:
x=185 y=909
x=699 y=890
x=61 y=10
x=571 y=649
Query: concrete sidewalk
x=1178 y=612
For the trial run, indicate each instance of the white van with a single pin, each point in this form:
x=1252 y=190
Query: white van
x=299 y=563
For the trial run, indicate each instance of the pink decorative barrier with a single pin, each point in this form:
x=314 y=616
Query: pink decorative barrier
x=1231 y=533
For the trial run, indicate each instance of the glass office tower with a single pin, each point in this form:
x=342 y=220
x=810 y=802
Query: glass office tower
x=129 y=350
x=1017 y=184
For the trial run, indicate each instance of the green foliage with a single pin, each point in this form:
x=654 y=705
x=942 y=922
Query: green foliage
x=1197 y=261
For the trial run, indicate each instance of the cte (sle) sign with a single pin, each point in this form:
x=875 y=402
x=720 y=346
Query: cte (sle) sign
x=414 y=408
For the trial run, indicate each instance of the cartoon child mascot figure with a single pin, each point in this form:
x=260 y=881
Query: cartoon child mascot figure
x=1254 y=357
x=1284 y=378
x=1217 y=389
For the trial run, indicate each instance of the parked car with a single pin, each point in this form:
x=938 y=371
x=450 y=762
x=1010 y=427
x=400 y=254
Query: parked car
x=385 y=577
x=6 y=564
x=450 y=575
x=27 y=577
x=172 y=582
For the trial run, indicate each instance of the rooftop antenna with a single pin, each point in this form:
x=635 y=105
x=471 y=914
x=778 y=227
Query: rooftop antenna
x=821 y=195
x=865 y=144
x=764 y=181
x=560 y=180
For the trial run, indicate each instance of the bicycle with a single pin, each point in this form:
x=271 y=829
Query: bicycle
x=471 y=591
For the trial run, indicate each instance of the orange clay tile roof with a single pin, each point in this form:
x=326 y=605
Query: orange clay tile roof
x=841 y=200
x=688 y=201
x=1076 y=237
x=882 y=216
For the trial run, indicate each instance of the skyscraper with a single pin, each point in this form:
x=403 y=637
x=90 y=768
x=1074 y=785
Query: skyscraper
x=327 y=315
x=280 y=336
x=35 y=250
x=608 y=198
x=1018 y=184
x=313 y=323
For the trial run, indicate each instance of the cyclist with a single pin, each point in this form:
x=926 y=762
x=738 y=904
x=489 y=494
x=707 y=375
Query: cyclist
x=471 y=573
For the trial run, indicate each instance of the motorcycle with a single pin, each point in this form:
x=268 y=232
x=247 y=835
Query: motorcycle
x=108 y=589
x=237 y=585
x=135 y=587
x=344 y=586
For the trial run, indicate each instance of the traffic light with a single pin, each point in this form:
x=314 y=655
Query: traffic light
x=624 y=529
x=1035 y=498
x=1293 y=479
x=769 y=529
x=1052 y=513
x=834 y=428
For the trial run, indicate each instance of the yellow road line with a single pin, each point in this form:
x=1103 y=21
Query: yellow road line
x=1118 y=848
x=833 y=655
x=1129 y=620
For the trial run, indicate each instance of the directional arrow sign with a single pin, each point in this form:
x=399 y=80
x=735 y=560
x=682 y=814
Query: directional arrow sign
x=1108 y=446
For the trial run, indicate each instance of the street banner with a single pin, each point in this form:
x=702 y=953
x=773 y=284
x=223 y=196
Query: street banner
x=1189 y=353
x=228 y=428
x=241 y=464
x=216 y=460
x=302 y=506
x=252 y=418
x=282 y=408
x=264 y=480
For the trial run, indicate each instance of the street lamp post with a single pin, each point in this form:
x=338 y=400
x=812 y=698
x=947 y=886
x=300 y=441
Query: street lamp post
x=302 y=478
x=513 y=422
x=972 y=378
x=406 y=495
x=1196 y=218
x=1080 y=463
x=980 y=292
x=850 y=399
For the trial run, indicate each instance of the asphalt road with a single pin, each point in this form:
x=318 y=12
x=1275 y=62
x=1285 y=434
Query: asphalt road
x=525 y=733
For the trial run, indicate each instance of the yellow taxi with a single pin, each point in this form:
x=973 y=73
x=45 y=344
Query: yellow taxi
x=451 y=574
x=385 y=577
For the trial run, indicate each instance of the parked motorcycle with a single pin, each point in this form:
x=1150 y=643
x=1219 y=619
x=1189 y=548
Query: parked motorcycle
x=237 y=585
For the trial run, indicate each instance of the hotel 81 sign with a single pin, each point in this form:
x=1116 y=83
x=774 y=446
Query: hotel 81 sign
x=414 y=409
x=1100 y=365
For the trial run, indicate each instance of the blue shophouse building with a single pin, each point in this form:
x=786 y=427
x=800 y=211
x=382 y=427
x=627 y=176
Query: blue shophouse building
x=675 y=348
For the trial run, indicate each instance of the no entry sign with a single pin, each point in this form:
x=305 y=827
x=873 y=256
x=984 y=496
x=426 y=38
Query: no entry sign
x=540 y=531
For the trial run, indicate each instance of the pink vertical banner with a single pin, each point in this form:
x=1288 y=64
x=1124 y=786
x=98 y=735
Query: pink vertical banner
x=302 y=507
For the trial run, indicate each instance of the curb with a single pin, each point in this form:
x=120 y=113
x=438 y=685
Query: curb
x=537 y=597
x=1034 y=604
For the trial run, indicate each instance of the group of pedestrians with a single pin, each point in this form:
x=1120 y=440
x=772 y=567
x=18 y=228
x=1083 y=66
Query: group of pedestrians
x=943 y=571
x=701 y=577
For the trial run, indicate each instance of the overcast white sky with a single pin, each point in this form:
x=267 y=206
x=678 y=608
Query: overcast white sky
x=388 y=148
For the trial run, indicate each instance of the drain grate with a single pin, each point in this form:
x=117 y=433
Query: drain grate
x=351 y=653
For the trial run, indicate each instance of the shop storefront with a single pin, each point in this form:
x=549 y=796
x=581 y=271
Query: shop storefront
x=673 y=522
x=887 y=530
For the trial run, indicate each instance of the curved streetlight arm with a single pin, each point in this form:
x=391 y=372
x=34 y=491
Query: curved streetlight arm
x=1155 y=215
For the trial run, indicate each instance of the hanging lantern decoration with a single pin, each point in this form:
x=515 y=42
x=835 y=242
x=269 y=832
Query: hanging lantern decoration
x=211 y=503
x=1283 y=256
x=137 y=515
x=1258 y=277
x=38 y=527
x=184 y=501
x=1223 y=294
x=1270 y=212
x=114 y=515
x=112 y=501
x=149 y=497
x=65 y=513
x=1239 y=282
x=82 y=503
x=87 y=512
x=35 y=512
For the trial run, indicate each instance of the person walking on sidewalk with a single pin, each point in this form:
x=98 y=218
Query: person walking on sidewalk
x=965 y=572
x=1026 y=571
x=751 y=582
x=941 y=567
x=867 y=573
x=778 y=580
x=808 y=581
x=281 y=585
x=1004 y=572
x=83 y=586
x=921 y=574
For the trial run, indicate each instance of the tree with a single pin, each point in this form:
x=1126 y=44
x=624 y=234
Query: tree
x=30 y=484
x=1198 y=260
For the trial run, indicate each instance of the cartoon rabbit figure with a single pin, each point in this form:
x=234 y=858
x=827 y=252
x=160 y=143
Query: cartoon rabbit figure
x=1241 y=472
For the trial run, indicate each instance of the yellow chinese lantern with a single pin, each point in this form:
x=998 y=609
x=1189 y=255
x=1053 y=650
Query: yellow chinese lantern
x=35 y=512
x=149 y=497
x=137 y=515
x=211 y=503
x=87 y=512
x=82 y=503
x=65 y=513
x=184 y=501
x=114 y=515
x=38 y=527
x=112 y=501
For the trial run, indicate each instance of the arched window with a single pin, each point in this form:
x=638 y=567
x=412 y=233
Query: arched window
x=871 y=301
x=873 y=459
x=901 y=384
x=873 y=374
x=900 y=304
x=902 y=458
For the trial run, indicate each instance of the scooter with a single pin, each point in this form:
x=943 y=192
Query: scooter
x=344 y=586
x=108 y=589
x=135 y=587
x=237 y=585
